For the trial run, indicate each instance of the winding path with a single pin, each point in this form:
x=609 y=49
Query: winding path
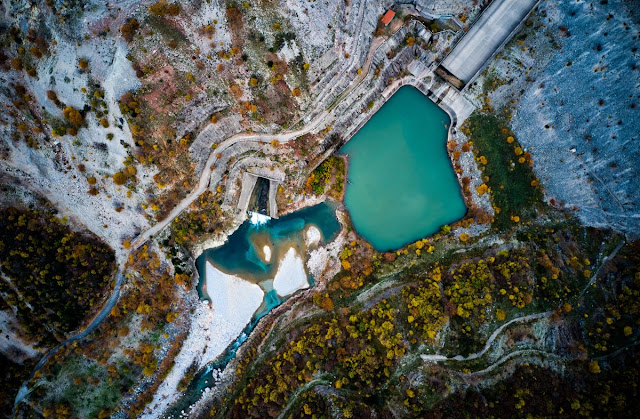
x=102 y=314
x=597 y=272
x=204 y=181
x=205 y=177
x=142 y=238
x=494 y=335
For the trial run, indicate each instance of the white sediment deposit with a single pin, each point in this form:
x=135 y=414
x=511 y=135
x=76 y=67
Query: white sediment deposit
x=232 y=298
x=291 y=275
x=312 y=236
x=267 y=253
x=324 y=261
x=233 y=303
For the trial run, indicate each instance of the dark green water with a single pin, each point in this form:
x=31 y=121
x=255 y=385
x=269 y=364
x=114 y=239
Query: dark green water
x=402 y=186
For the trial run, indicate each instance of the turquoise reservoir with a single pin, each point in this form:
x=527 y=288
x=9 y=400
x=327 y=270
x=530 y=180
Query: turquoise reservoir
x=402 y=186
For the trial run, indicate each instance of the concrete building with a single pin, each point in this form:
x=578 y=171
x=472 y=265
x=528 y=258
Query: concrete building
x=388 y=17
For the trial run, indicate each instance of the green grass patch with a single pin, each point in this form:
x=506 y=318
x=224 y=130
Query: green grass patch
x=512 y=182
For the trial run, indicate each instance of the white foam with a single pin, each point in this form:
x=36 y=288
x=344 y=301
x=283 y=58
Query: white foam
x=258 y=219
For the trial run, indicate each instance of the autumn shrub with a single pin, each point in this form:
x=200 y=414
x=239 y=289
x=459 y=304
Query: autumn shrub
x=73 y=116
x=81 y=376
x=426 y=313
x=129 y=29
x=617 y=321
x=35 y=51
x=358 y=349
x=12 y=375
x=582 y=389
x=57 y=275
x=330 y=173
x=17 y=64
x=355 y=347
x=206 y=218
x=52 y=96
x=163 y=8
x=119 y=178
x=83 y=64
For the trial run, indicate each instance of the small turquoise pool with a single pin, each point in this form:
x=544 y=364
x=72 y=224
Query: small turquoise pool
x=401 y=184
x=241 y=255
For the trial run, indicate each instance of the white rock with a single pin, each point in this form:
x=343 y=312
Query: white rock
x=234 y=302
x=291 y=275
x=312 y=236
x=267 y=253
x=233 y=298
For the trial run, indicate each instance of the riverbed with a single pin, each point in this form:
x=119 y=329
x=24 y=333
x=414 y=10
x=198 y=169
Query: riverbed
x=243 y=281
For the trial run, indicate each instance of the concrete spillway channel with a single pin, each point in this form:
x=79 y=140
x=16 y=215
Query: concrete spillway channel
x=258 y=195
x=488 y=35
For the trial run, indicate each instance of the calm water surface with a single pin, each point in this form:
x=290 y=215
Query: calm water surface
x=239 y=254
x=402 y=186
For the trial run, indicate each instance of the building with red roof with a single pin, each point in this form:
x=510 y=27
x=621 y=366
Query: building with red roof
x=388 y=17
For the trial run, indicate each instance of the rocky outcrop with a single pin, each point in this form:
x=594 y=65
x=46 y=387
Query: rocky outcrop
x=580 y=115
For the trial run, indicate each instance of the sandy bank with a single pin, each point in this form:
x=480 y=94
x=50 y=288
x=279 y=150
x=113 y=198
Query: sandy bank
x=312 y=236
x=232 y=298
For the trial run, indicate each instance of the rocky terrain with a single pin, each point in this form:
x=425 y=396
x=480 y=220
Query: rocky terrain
x=573 y=93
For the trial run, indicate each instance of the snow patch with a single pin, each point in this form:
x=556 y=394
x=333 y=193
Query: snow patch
x=312 y=236
x=289 y=51
x=121 y=77
x=324 y=261
x=233 y=298
x=10 y=343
